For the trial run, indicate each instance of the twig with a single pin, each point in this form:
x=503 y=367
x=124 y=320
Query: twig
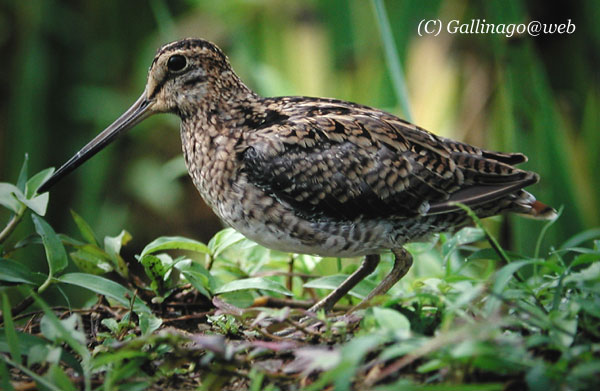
x=186 y=317
x=302 y=328
x=274 y=302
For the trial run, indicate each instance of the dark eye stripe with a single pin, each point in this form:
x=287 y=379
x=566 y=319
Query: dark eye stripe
x=195 y=80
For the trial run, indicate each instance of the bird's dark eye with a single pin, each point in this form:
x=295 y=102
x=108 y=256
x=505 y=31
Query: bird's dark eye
x=176 y=62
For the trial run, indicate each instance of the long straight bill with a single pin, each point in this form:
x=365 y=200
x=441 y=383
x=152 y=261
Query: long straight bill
x=134 y=115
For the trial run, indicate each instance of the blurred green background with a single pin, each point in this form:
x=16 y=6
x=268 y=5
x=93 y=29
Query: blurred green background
x=69 y=68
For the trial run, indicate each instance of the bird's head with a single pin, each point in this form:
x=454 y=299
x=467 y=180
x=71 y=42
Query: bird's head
x=187 y=77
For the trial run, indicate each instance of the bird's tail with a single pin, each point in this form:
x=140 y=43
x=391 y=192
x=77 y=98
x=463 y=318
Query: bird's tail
x=526 y=205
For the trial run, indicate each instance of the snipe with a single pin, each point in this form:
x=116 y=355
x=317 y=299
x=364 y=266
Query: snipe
x=313 y=175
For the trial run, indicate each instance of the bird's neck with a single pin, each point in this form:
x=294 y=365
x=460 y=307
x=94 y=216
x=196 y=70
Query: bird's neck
x=217 y=100
x=209 y=136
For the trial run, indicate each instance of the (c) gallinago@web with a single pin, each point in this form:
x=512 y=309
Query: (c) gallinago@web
x=317 y=176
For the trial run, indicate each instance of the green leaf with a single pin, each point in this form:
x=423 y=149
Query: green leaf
x=174 y=243
x=253 y=283
x=585 y=258
x=223 y=240
x=149 y=323
x=590 y=273
x=538 y=380
x=491 y=254
x=112 y=246
x=392 y=321
x=361 y=290
x=239 y=299
x=10 y=331
x=41 y=381
x=55 y=251
x=15 y=272
x=464 y=236
x=41 y=353
x=581 y=237
x=37 y=204
x=68 y=338
x=503 y=276
x=431 y=365
x=9 y=196
x=111 y=324
x=198 y=276
x=22 y=180
x=36 y=181
x=28 y=342
x=57 y=376
x=106 y=287
x=158 y=269
x=5 y=383
x=90 y=262
x=73 y=326
x=12 y=197
x=84 y=228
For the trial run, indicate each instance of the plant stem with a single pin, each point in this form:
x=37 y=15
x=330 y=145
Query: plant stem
x=12 y=224
x=491 y=239
x=46 y=283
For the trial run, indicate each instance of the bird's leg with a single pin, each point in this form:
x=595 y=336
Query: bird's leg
x=402 y=263
x=366 y=267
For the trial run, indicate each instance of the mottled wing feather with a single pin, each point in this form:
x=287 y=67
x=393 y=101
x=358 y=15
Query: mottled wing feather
x=328 y=159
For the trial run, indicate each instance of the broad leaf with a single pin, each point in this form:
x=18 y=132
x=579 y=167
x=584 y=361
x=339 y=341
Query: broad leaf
x=84 y=228
x=90 y=262
x=174 y=243
x=36 y=181
x=105 y=287
x=27 y=342
x=253 y=283
x=223 y=240
x=9 y=196
x=464 y=236
x=15 y=272
x=149 y=323
x=112 y=246
x=37 y=204
x=392 y=320
x=72 y=325
x=158 y=269
x=55 y=251
x=198 y=276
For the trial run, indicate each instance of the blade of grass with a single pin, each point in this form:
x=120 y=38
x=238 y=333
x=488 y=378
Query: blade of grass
x=9 y=329
x=391 y=57
x=40 y=380
x=5 y=377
